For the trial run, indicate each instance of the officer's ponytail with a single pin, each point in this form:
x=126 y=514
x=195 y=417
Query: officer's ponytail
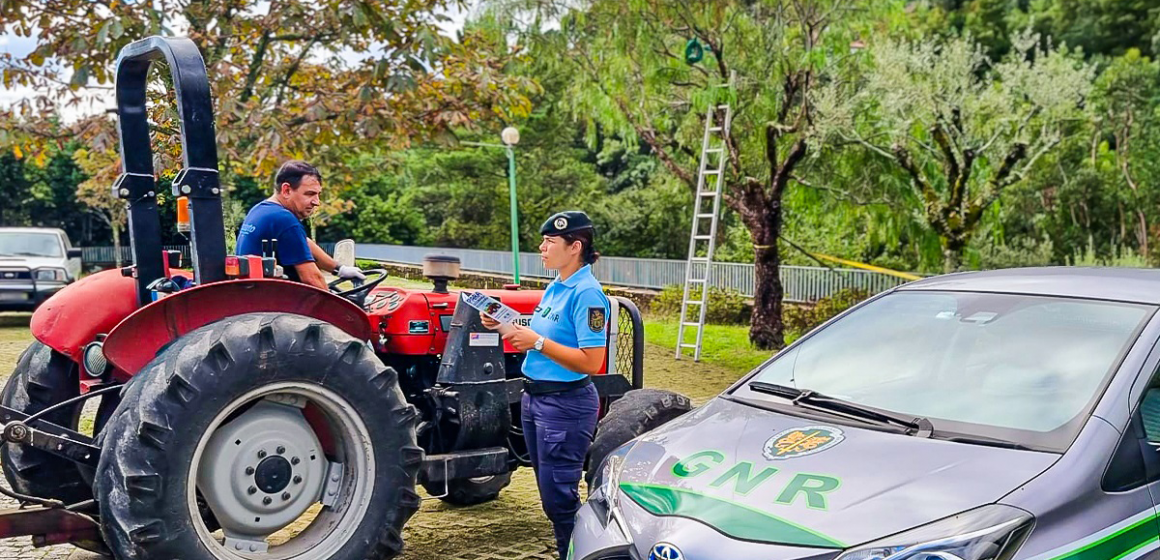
x=588 y=253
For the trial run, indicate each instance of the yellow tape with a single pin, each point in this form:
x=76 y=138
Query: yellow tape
x=867 y=266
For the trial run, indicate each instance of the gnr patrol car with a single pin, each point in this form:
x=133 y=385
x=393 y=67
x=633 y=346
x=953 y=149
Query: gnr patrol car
x=1003 y=415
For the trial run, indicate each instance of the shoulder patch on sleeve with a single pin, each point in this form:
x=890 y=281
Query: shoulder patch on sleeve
x=596 y=318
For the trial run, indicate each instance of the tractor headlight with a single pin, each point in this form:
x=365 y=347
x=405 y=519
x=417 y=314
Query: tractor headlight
x=95 y=362
x=605 y=492
x=991 y=532
x=50 y=275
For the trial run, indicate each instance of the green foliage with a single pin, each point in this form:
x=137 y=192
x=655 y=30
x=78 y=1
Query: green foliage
x=959 y=127
x=1117 y=257
x=1021 y=252
x=45 y=196
x=726 y=307
x=801 y=319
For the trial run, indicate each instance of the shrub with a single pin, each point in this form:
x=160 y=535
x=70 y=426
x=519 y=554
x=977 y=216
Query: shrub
x=800 y=319
x=726 y=307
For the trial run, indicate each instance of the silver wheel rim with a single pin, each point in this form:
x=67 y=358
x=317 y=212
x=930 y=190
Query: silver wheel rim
x=332 y=527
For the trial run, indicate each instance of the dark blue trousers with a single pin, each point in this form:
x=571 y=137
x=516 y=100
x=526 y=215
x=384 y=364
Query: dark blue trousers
x=558 y=429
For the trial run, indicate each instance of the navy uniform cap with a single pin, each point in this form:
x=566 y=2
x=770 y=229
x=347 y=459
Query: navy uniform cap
x=566 y=222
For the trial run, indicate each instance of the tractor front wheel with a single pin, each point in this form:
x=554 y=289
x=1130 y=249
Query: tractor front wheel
x=639 y=411
x=43 y=378
x=292 y=433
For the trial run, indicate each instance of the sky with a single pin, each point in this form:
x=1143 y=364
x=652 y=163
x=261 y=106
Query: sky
x=101 y=100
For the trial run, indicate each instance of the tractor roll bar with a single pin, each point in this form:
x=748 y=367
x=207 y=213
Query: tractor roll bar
x=198 y=180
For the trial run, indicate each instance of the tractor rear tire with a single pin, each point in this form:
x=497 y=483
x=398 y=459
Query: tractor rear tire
x=160 y=442
x=637 y=412
x=470 y=491
x=42 y=378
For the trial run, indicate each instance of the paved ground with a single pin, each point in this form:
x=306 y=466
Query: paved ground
x=512 y=527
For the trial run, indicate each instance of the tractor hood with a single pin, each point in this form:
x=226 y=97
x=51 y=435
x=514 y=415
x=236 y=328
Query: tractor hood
x=757 y=475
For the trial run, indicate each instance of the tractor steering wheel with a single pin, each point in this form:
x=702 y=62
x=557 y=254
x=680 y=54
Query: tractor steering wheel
x=358 y=294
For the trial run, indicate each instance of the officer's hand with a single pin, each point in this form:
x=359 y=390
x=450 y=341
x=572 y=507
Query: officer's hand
x=488 y=322
x=522 y=338
x=349 y=273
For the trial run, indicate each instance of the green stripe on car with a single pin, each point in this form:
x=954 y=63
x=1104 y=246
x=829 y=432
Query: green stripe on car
x=1118 y=544
x=733 y=519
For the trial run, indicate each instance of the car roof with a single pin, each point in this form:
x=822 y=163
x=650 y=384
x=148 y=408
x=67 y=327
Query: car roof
x=1137 y=285
x=30 y=230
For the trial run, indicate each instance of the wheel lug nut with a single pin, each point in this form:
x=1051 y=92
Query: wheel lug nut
x=249 y=470
x=251 y=491
x=262 y=454
x=297 y=480
x=295 y=461
x=281 y=449
x=266 y=501
x=285 y=496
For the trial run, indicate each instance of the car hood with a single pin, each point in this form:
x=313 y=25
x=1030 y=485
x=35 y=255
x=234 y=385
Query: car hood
x=32 y=262
x=762 y=476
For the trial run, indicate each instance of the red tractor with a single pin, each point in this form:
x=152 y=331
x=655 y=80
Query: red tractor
x=252 y=417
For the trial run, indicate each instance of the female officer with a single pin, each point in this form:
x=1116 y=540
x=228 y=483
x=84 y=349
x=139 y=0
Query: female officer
x=565 y=344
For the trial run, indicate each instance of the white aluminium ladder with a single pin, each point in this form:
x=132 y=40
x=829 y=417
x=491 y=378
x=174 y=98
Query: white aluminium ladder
x=702 y=238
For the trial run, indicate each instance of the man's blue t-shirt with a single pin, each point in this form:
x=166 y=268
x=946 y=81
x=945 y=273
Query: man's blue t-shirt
x=572 y=313
x=269 y=220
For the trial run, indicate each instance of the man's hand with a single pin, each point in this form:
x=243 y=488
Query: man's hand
x=521 y=338
x=349 y=273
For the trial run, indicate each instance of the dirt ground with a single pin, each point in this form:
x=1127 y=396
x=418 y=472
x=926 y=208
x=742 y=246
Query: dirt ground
x=512 y=527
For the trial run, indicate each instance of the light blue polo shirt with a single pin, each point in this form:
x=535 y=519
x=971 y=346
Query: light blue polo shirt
x=573 y=312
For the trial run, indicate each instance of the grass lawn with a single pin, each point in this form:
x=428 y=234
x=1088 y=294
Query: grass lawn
x=725 y=345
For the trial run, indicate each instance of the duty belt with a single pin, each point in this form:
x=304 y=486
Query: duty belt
x=534 y=387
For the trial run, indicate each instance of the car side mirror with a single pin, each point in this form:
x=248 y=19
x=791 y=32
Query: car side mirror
x=75 y=253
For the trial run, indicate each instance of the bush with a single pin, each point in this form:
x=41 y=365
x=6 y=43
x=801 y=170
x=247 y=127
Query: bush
x=800 y=319
x=726 y=307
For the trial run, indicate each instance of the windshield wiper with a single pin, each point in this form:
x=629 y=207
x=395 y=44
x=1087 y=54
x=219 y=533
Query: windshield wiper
x=984 y=440
x=27 y=254
x=920 y=427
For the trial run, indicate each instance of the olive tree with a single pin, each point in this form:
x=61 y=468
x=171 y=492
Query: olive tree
x=959 y=127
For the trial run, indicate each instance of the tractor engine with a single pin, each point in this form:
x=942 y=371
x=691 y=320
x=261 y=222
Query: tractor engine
x=465 y=379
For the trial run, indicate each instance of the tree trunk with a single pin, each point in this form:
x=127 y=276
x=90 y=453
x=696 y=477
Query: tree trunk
x=766 y=328
x=1142 y=234
x=952 y=254
x=116 y=243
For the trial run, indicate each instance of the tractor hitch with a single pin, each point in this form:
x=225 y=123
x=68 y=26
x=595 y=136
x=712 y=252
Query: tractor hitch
x=488 y=461
x=48 y=526
x=48 y=437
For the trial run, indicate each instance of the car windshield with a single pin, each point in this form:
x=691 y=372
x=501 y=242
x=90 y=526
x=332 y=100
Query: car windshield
x=1025 y=369
x=14 y=244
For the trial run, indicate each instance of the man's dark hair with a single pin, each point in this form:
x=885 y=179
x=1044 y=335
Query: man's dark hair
x=292 y=172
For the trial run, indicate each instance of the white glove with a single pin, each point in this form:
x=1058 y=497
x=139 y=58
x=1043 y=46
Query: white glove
x=349 y=273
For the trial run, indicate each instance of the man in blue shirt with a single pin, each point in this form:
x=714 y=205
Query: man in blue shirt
x=297 y=187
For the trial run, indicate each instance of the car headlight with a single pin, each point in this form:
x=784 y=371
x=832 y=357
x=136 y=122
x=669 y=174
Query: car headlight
x=604 y=494
x=50 y=274
x=992 y=532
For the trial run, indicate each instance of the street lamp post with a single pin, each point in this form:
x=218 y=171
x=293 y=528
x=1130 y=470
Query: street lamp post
x=510 y=137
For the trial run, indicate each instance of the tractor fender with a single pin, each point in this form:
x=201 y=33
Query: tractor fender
x=74 y=316
x=136 y=340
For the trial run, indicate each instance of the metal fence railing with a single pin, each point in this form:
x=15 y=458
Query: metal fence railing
x=102 y=257
x=801 y=283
